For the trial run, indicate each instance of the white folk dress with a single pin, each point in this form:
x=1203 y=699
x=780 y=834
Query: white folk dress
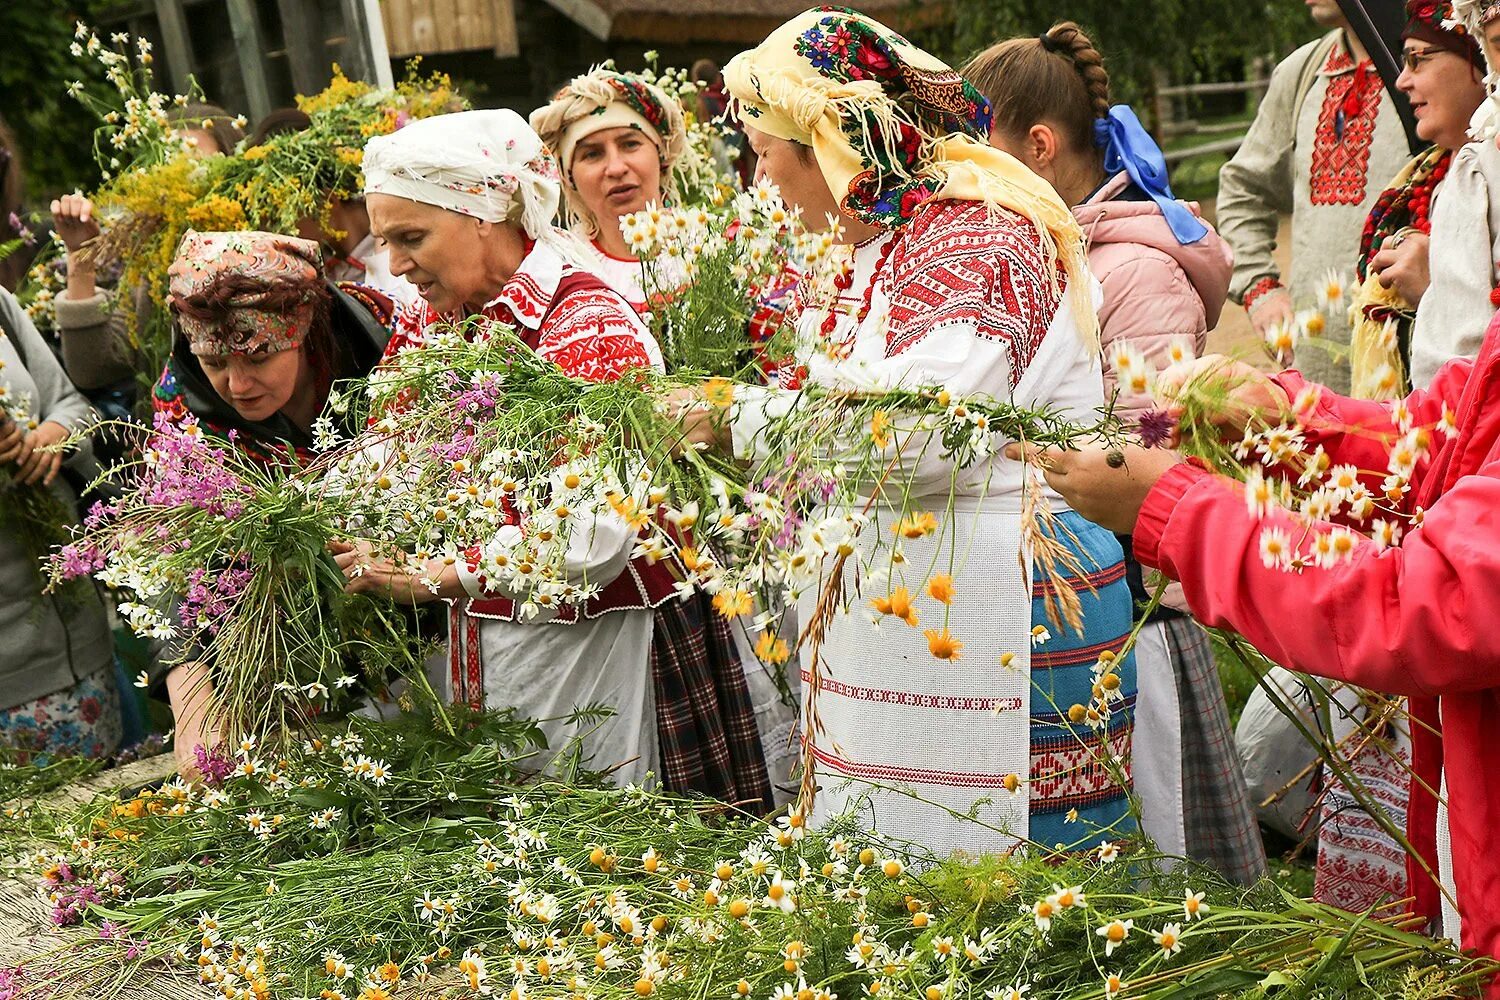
x=545 y=668
x=775 y=716
x=1465 y=263
x=959 y=301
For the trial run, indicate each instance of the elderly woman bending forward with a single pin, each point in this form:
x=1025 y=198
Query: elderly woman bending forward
x=465 y=203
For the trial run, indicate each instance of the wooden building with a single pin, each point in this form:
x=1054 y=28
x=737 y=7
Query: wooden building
x=255 y=55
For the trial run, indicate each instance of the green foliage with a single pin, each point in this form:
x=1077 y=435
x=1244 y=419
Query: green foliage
x=1181 y=38
x=392 y=852
x=55 y=138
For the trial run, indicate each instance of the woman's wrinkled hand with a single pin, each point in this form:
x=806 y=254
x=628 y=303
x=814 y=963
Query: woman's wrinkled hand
x=368 y=573
x=34 y=452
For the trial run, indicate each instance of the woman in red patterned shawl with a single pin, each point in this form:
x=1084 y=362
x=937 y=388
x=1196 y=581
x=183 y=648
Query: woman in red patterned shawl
x=465 y=203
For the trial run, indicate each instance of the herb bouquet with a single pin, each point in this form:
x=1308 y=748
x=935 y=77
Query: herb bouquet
x=155 y=188
x=223 y=559
x=386 y=861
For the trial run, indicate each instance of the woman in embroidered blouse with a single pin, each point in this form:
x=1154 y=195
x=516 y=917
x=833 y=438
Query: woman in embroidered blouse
x=1428 y=255
x=465 y=202
x=969 y=274
x=615 y=139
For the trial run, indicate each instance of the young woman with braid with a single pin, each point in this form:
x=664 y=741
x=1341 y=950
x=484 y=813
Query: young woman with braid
x=1165 y=274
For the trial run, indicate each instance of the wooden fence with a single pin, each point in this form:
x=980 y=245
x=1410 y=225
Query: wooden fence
x=1172 y=98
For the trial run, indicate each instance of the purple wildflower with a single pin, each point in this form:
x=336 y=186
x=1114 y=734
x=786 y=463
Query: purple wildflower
x=214 y=764
x=12 y=983
x=1156 y=428
x=69 y=907
x=184 y=469
x=21 y=229
x=209 y=595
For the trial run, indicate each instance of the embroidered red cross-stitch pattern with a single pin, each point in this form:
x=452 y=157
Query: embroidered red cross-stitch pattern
x=955 y=264
x=1341 y=159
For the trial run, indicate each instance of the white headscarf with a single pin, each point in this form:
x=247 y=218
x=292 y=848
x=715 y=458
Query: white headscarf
x=477 y=163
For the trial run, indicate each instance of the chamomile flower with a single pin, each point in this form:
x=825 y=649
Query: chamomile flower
x=1115 y=933
x=1169 y=938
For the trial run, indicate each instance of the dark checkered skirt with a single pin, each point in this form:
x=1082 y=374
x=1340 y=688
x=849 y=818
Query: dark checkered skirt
x=1218 y=817
x=705 y=721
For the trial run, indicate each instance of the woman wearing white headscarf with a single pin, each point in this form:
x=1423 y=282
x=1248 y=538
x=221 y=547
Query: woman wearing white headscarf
x=465 y=203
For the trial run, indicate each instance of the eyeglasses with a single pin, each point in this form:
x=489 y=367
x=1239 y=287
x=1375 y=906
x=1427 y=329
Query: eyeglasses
x=1413 y=59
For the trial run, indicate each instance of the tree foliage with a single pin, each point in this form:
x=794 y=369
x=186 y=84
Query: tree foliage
x=54 y=133
x=1184 y=39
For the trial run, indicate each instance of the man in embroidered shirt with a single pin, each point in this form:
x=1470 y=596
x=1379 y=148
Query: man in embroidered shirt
x=1324 y=144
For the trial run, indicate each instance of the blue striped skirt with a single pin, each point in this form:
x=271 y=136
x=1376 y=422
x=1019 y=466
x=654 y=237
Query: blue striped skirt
x=1067 y=769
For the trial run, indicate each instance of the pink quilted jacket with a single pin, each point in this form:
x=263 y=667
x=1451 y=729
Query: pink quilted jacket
x=1154 y=287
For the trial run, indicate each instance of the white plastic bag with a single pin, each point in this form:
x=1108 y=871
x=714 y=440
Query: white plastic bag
x=1273 y=752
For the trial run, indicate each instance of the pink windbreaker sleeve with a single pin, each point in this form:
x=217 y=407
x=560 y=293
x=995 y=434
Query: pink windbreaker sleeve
x=1359 y=431
x=1416 y=619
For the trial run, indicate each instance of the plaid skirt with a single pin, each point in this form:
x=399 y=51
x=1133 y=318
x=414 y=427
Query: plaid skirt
x=705 y=720
x=1218 y=817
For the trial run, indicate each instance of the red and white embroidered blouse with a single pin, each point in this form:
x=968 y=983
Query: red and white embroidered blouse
x=961 y=298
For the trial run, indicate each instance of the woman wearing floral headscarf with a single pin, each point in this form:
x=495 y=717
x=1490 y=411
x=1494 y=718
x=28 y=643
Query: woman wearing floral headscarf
x=968 y=273
x=261 y=335
x=615 y=139
x=465 y=202
x=259 y=338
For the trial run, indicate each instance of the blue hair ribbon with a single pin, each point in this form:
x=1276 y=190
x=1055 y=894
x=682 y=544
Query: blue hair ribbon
x=1129 y=147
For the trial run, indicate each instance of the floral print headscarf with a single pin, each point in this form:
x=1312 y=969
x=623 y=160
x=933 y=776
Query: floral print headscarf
x=893 y=128
x=268 y=263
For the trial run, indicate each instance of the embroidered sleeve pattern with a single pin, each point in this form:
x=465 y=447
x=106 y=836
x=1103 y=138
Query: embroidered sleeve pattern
x=409 y=328
x=593 y=334
x=957 y=266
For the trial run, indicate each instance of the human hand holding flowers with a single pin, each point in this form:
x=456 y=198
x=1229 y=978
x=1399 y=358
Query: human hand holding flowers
x=1270 y=309
x=704 y=423
x=369 y=573
x=1230 y=392
x=73 y=218
x=32 y=451
x=1094 y=481
x=190 y=691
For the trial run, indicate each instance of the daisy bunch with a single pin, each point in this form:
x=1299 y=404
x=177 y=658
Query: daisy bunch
x=317 y=882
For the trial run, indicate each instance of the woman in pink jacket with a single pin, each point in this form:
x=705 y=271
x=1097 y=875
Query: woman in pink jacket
x=1416 y=619
x=1165 y=275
